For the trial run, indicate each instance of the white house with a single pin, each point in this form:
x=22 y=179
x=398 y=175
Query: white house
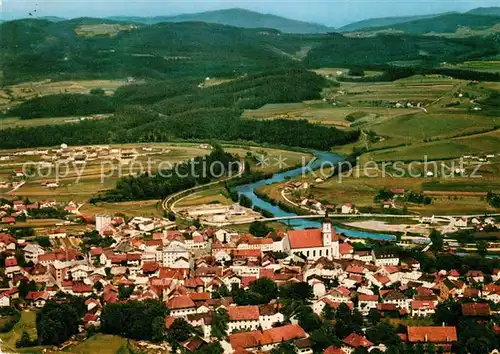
x=367 y=302
x=180 y=306
x=173 y=251
x=422 y=308
x=32 y=251
x=269 y=315
x=385 y=257
x=243 y=318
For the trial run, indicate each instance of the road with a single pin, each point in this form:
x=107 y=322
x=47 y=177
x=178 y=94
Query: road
x=166 y=202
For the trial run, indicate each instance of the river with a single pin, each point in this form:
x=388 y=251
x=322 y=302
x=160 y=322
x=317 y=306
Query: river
x=321 y=159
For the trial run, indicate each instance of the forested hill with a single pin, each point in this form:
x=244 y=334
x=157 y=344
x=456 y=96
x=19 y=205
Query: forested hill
x=494 y=11
x=40 y=49
x=238 y=18
x=448 y=23
x=382 y=21
x=189 y=112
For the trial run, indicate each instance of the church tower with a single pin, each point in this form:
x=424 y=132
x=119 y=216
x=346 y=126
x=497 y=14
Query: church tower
x=327 y=233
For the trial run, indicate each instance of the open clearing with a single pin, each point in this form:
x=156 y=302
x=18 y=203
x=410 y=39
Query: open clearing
x=103 y=29
x=100 y=343
x=210 y=196
x=26 y=323
x=129 y=209
x=15 y=94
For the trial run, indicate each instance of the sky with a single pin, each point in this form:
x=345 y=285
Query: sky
x=333 y=13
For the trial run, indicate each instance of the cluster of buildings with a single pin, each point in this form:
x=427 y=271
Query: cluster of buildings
x=187 y=268
x=12 y=211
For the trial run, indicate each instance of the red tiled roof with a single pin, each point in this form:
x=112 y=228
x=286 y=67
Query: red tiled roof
x=270 y=336
x=247 y=253
x=46 y=257
x=169 y=321
x=180 y=302
x=364 y=297
x=89 y=317
x=479 y=309
x=243 y=313
x=355 y=269
x=96 y=251
x=346 y=248
x=82 y=288
x=333 y=350
x=471 y=292
x=35 y=295
x=335 y=304
x=133 y=256
x=305 y=238
x=419 y=305
x=424 y=291
x=150 y=267
x=246 y=280
x=435 y=334
x=10 y=262
x=356 y=341
x=200 y=296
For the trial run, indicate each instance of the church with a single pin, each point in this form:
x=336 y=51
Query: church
x=313 y=243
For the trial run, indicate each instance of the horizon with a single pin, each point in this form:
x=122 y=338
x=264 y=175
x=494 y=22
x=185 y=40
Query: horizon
x=332 y=13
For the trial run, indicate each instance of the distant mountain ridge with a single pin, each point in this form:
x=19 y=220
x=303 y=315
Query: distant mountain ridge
x=495 y=11
x=235 y=17
x=383 y=21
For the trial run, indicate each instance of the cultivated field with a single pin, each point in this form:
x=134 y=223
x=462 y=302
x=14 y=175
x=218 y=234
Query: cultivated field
x=11 y=96
x=211 y=196
x=147 y=208
x=103 y=29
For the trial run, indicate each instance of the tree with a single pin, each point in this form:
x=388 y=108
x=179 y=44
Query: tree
x=245 y=201
x=25 y=287
x=178 y=332
x=266 y=287
x=259 y=229
x=43 y=241
x=383 y=333
x=133 y=319
x=124 y=291
x=219 y=324
x=327 y=313
x=211 y=348
x=356 y=71
x=283 y=348
x=301 y=291
x=197 y=223
x=56 y=323
x=437 y=241
x=482 y=247
x=158 y=329
x=374 y=316
x=97 y=91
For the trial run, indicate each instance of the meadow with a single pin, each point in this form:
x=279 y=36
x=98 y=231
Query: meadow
x=13 y=95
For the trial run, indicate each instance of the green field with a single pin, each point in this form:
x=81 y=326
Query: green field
x=100 y=343
x=213 y=195
x=486 y=65
x=445 y=149
x=26 y=323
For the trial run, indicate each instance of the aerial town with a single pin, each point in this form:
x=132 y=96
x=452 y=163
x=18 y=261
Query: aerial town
x=305 y=291
x=238 y=177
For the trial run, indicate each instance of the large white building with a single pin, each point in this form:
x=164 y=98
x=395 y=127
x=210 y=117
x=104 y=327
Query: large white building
x=174 y=251
x=314 y=243
x=102 y=221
